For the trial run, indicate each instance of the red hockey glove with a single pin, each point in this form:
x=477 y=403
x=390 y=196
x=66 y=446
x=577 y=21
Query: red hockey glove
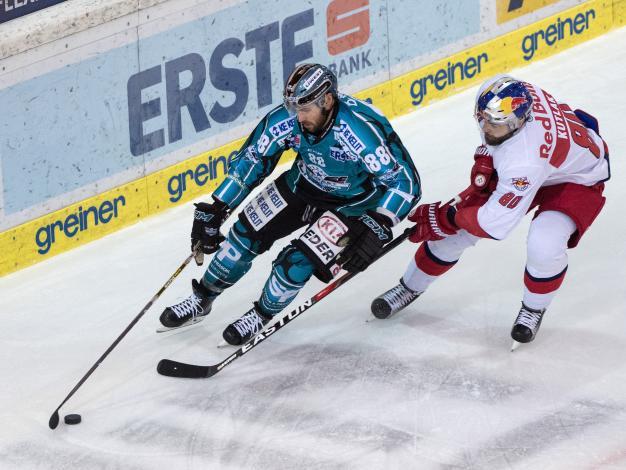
x=483 y=180
x=482 y=170
x=432 y=222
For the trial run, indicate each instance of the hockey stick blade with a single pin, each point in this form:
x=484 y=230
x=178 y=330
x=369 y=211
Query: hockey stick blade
x=171 y=368
x=54 y=420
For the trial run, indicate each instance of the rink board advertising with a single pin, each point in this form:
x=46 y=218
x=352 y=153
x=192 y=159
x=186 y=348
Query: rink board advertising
x=131 y=130
x=11 y=9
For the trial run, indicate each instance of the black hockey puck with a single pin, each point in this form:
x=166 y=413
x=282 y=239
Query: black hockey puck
x=72 y=419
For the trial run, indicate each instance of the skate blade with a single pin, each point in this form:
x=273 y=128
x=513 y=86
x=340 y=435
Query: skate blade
x=191 y=322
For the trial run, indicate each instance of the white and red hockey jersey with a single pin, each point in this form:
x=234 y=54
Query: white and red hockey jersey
x=553 y=147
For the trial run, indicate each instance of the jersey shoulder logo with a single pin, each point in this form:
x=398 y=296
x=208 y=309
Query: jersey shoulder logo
x=283 y=127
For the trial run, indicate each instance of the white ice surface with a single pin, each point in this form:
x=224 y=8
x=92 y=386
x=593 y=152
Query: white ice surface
x=433 y=388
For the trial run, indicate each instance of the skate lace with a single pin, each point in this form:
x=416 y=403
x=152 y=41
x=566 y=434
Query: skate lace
x=399 y=297
x=249 y=323
x=529 y=318
x=190 y=306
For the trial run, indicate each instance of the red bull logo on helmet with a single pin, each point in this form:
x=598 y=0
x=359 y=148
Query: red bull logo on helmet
x=511 y=104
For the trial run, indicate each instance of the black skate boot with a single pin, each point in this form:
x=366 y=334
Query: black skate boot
x=191 y=310
x=392 y=301
x=527 y=324
x=250 y=323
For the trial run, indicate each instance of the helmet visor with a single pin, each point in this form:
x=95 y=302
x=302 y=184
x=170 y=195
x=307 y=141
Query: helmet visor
x=294 y=105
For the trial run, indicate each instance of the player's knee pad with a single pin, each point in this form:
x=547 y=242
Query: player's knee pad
x=547 y=243
x=291 y=270
x=293 y=265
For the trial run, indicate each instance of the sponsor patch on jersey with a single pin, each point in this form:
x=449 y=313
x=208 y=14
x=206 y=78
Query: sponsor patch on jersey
x=347 y=135
x=338 y=154
x=520 y=183
x=283 y=127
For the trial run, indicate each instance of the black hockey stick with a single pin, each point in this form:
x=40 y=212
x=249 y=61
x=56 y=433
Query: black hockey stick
x=190 y=371
x=54 y=419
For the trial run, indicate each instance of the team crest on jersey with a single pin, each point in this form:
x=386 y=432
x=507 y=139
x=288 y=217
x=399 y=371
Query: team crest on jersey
x=521 y=184
x=321 y=179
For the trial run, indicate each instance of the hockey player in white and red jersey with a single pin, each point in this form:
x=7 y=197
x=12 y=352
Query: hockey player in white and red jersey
x=537 y=153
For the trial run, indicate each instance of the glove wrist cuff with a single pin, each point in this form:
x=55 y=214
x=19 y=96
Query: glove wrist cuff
x=450 y=215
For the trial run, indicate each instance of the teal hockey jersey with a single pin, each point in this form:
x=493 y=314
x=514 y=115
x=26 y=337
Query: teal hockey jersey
x=358 y=164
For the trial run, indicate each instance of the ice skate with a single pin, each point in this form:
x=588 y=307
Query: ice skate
x=392 y=301
x=242 y=330
x=190 y=311
x=526 y=325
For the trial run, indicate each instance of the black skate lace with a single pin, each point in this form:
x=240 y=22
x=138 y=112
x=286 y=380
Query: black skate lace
x=190 y=306
x=528 y=318
x=399 y=297
x=249 y=323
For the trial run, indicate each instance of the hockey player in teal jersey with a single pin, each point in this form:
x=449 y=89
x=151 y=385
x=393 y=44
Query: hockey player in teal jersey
x=352 y=180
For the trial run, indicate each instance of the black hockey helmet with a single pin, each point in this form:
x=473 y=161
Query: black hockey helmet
x=308 y=83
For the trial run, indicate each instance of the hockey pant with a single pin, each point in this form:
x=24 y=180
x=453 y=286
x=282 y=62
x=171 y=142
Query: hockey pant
x=546 y=258
x=273 y=214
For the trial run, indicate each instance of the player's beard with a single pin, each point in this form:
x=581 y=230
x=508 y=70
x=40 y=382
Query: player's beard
x=321 y=128
x=497 y=140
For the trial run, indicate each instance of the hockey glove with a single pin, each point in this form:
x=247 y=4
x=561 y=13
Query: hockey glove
x=483 y=170
x=432 y=222
x=207 y=220
x=369 y=233
x=483 y=180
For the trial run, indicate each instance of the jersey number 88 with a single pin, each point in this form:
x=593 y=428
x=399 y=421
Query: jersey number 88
x=373 y=162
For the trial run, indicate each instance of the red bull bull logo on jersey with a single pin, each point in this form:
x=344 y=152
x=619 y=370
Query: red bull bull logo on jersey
x=521 y=184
